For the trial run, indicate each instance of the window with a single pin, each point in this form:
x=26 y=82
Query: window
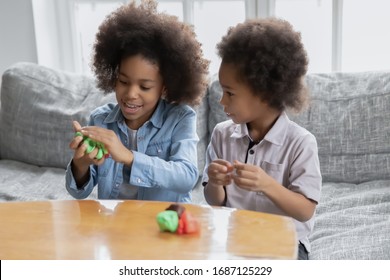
x=314 y=20
x=339 y=35
x=366 y=39
x=85 y=30
x=209 y=24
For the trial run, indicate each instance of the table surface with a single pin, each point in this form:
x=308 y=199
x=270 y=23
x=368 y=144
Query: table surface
x=114 y=229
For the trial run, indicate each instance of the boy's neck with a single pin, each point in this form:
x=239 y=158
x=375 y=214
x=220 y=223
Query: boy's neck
x=259 y=128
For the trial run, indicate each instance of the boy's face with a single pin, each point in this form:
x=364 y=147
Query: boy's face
x=138 y=89
x=238 y=99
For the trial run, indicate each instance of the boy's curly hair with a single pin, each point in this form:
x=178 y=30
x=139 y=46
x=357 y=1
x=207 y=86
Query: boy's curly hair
x=159 y=37
x=271 y=58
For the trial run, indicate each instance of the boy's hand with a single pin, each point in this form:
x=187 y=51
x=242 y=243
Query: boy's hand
x=220 y=172
x=250 y=177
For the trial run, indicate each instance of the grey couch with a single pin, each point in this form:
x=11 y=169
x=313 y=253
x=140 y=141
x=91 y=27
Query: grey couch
x=349 y=114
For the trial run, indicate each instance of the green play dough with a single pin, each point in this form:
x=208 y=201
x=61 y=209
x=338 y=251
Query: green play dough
x=168 y=220
x=91 y=145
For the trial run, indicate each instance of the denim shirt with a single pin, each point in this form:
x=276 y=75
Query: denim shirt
x=165 y=163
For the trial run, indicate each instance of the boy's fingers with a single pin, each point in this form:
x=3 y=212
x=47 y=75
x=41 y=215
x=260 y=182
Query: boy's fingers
x=218 y=168
x=223 y=165
x=238 y=165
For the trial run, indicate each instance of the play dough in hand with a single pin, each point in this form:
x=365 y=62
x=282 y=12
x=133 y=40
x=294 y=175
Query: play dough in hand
x=178 y=220
x=91 y=145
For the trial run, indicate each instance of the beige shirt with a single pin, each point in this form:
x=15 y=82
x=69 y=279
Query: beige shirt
x=288 y=153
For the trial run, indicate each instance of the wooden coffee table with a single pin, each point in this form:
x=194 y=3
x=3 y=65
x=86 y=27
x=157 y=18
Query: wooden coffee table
x=111 y=229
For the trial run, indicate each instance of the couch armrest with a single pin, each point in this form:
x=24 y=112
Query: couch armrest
x=38 y=105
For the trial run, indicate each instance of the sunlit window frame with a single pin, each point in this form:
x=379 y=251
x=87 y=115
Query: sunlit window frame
x=65 y=46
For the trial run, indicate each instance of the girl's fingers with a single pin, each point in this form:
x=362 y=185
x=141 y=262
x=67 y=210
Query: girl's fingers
x=80 y=151
x=76 y=126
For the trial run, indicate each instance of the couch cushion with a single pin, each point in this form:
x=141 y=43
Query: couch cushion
x=202 y=131
x=38 y=106
x=21 y=182
x=352 y=222
x=349 y=115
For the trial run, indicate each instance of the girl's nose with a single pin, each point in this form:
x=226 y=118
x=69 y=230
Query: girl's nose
x=132 y=92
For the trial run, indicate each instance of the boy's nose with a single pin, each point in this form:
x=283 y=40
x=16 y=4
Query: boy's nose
x=222 y=100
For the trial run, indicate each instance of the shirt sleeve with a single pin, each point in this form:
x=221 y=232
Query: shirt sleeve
x=71 y=186
x=70 y=182
x=305 y=174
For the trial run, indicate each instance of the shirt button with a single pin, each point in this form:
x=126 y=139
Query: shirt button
x=251 y=152
x=139 y=180
x=259 y=193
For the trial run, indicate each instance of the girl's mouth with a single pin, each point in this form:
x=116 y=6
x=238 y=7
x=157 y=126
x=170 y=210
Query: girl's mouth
x=131 y=108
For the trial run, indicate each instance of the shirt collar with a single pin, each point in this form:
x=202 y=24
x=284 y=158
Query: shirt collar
x=275 y=135
x=114 y=116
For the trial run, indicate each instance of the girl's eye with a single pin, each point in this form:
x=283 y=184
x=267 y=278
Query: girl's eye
x=144 y=88
x=122 y=82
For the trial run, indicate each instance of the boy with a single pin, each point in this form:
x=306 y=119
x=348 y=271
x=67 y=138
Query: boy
x=260 y=160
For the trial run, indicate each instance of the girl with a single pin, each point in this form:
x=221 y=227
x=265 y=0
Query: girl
x=154 y=65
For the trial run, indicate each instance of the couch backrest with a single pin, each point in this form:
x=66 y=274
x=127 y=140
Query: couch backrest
x=38 y=105
x=349 y=114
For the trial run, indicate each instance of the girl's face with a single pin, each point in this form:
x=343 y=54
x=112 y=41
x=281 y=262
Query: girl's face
x=238 y=99
x=138 y=89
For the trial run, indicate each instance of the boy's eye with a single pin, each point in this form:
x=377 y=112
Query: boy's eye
x=229 y=93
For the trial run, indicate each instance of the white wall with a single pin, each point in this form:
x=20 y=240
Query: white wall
x=17 y=38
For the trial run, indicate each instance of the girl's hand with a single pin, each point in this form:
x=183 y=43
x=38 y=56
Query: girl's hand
x=111 y=142
x=220 y=172
x=80 y=158
x=251 y=177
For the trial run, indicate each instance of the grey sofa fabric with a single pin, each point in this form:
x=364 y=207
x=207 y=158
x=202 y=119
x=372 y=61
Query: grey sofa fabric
x=38 y=106
x=348 y=114
x=27 y=182
x=353 y=222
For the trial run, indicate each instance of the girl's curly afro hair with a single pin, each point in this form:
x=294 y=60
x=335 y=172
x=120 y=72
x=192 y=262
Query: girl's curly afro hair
x=271 y=58
x=160 y=38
